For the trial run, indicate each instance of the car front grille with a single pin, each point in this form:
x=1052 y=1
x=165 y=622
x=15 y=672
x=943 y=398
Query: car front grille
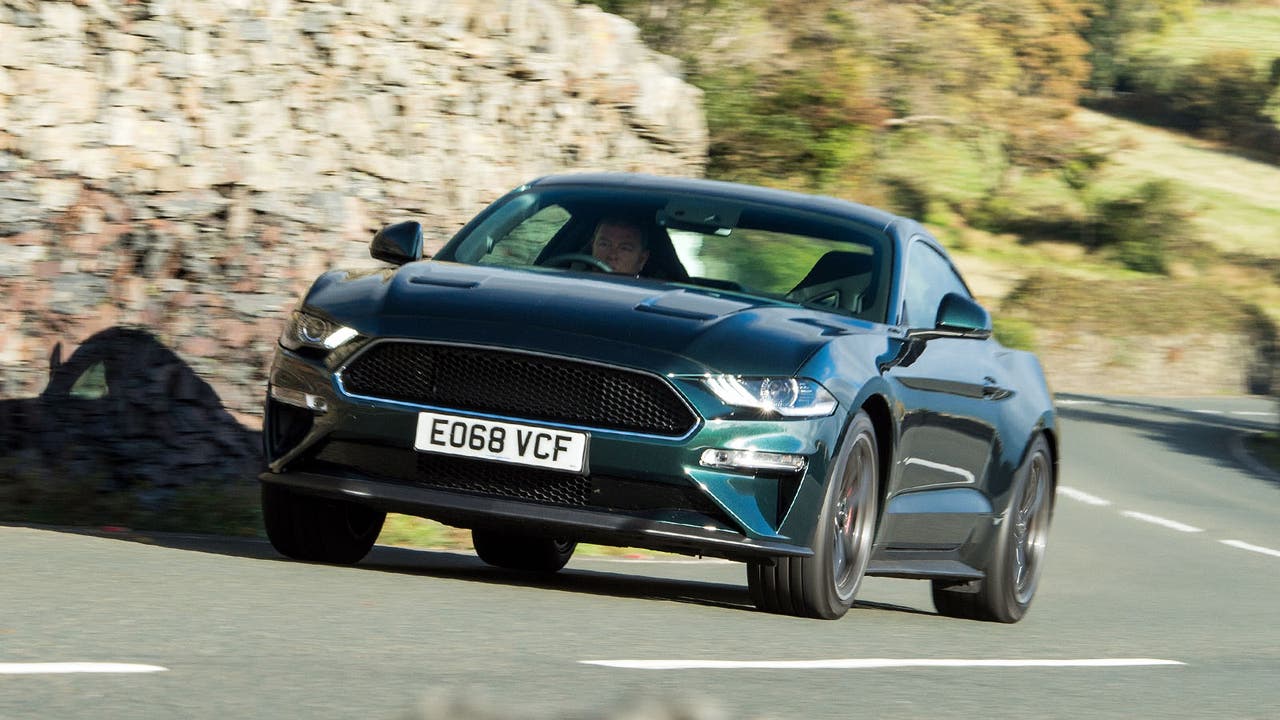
x=487 y=478
x=519 y=385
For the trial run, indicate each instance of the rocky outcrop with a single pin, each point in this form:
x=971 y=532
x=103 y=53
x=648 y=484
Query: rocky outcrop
x=188 y=167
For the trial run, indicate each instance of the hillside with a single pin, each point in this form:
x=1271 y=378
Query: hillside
x=1071 y=224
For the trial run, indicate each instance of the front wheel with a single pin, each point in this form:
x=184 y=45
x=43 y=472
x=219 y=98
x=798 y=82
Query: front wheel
x=522 y=552
x=1013 y=571
x=823 y=586
x=316 y=529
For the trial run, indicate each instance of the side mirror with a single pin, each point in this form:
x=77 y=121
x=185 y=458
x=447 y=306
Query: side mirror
x=958 y=317
x=398 y=244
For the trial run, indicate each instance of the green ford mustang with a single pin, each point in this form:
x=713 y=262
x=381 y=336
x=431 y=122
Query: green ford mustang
x=799 y=383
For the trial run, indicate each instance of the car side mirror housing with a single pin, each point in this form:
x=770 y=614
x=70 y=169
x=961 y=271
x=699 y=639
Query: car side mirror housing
x=958 y=317
x=398 y=244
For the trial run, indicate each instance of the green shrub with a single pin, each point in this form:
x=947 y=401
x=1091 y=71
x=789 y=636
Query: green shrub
x=1015 y=333
x=907 y=196
x=1226 y=94
x=995 y=213
x=1141 y=229
x=1223 y=91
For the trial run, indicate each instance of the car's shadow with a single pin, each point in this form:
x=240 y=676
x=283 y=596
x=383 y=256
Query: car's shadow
x=630 y=581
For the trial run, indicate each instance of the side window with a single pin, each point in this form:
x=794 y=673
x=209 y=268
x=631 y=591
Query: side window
x=521 y=245
x=929 y=277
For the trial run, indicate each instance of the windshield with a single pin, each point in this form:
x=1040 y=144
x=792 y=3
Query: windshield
x=769 y=251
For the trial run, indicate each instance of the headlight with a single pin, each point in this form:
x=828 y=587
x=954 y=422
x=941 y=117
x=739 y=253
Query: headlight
x=309 y=331
x=789 y=397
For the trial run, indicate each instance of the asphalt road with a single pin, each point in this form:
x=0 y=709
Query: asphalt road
x=1159 y=599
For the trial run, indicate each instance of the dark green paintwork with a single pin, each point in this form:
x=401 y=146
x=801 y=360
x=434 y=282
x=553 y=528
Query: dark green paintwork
x=955 y=414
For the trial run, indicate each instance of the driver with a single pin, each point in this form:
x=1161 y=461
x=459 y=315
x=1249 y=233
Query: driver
x=621 y=244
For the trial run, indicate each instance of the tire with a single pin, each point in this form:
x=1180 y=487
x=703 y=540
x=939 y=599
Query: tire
x=824 y=586
x=522 y=552
x=315 y=529
x=1013 y=571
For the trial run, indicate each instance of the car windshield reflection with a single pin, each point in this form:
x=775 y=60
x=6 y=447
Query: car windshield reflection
x=759 y=250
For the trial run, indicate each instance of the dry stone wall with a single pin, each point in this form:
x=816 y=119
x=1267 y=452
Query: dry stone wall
x=188 y=166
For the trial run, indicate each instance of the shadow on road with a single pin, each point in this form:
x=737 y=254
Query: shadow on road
x=1209 y=435
x=456 y=565
x=626 y=584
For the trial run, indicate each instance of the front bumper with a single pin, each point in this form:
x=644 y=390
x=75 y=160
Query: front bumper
x=641 y=490
x=469 y=510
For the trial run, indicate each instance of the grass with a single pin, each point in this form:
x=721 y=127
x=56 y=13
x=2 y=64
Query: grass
x=1234 y=197
x=415 y=532
x=1232 y=201
x=955 y=172
x=1237 y=210
x=410 y=531
x=1254 y=27
x=1134 y=308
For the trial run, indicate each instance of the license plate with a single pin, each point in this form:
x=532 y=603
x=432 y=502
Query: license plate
x=517 y=443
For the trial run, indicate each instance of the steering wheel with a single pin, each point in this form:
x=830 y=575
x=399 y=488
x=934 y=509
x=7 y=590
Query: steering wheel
x=568 y=259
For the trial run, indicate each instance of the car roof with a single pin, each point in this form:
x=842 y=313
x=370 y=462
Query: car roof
x=851 y=211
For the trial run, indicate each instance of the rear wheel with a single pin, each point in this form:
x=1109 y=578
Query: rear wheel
x=823 y=586
x=1014 y=569
x=522 y=552
x=316 y=529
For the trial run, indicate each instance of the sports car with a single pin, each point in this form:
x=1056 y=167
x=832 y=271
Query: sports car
x=799 y=383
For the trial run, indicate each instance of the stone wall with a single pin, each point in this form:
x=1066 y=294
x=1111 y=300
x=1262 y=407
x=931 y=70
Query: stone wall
x=188 y=166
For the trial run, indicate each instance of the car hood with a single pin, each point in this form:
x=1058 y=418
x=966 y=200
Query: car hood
x=619 y=320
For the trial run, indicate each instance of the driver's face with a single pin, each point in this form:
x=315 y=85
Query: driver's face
x=621 y=246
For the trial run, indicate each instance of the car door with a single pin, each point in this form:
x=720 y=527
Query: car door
x=948 y=389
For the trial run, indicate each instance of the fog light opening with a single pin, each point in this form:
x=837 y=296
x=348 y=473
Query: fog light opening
x=297 y=398
x=753 y=460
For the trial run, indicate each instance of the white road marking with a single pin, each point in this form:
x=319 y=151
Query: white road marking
x=1252 y=548
x=1088 y=499
x=1139 y=406
x=76 y=667
x=867 y=663
x=1163 y=522
x=1082 y=496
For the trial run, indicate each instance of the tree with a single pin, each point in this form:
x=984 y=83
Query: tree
x=799 y=91
x=1114 y=26
x=1223 y=91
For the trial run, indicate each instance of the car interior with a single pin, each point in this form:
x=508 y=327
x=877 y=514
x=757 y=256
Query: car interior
x=839 y=279
x=575 y=238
